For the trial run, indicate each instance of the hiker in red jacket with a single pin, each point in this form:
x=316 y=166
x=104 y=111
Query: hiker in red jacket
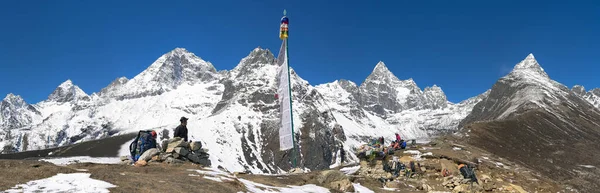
x=398 y=139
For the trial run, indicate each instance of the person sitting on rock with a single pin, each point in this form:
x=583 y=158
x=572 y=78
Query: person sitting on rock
x=398 y=138
x=181 y=130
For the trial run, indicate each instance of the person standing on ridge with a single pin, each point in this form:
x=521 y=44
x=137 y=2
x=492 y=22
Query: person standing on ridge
x=181 y=130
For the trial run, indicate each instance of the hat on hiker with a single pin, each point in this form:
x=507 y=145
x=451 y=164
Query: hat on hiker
x=183 y=119
x=153 y=133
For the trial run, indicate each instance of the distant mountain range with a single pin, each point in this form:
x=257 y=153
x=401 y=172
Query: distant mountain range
x=235 y=113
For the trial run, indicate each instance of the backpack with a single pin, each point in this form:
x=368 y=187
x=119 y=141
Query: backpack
x=142 y=142
x=467 y=172
x=403 y=145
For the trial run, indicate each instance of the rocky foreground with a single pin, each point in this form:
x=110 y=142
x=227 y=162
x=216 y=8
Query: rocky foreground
x=494 y=175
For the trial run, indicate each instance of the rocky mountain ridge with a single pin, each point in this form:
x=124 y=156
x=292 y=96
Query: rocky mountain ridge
x=538 y=122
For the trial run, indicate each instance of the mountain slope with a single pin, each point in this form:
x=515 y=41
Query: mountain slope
x=540 y=123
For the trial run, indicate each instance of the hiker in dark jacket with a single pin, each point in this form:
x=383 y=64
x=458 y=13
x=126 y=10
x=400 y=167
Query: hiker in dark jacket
x=181 y=130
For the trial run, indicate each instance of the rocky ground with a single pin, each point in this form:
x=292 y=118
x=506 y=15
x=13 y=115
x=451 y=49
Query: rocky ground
x=494 y=174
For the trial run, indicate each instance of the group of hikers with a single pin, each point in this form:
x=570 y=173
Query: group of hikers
x=377 y=147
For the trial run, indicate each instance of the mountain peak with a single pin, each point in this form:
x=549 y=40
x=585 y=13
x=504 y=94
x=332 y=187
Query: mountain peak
x=66 y=92
x=14 y=100
x=66 y=84
x=579 y=90
x=179 y=51
x=254 y=63
x=529 y=64
x=380 y=67
x=10 y=96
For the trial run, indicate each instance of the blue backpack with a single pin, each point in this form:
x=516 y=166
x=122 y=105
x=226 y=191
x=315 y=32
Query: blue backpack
x=142 y=142
x=403 y=144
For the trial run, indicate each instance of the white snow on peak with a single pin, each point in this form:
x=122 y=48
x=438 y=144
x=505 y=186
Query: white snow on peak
x=15 y=100
x=535 y=88
x=122 y=79
x=67 y=92
x=381 y=67
x=592 y=96
x=169 y=71
x=530 y=65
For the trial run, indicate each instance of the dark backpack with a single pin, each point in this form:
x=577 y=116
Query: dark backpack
x=468 y=173
x=142 y=142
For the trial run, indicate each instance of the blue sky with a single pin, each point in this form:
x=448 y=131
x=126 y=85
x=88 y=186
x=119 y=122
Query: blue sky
x=462 y=46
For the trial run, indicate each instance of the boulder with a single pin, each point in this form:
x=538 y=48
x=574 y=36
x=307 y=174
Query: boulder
x=175 y=142
x=140 y=163
x=328 y=176
x=164 y=145
x=127 y=162
x=463 y=188
x=425 y=187
x=182 y=151
x=490 y=186
x=195 y=146
x=156 y=158
x=199 y=159
x=164 y=156
x=393 y=184
x=296 y=171
x=148 y=154
x=342 y=185
x=450 y=166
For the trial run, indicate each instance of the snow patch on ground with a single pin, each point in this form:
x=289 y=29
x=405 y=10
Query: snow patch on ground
x=74 y=182
x=213 y=178
x=350 y=170
x=261 y=188
x=124 y=150
x=82 y=159
x=588 y=166
x=361 y=189
x=389 y=189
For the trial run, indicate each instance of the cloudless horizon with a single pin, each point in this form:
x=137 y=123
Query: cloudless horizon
x=462 y=46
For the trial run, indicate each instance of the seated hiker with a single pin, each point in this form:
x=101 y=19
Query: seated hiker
x=398 y=138
x=395 y=145
x=181 y=130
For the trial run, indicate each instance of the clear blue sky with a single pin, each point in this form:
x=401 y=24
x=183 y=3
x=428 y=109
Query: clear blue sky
x=462 y=46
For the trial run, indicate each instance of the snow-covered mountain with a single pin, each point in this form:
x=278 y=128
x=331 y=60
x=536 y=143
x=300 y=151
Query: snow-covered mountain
x=383 y=105
x=235 y=113
x=593 y=96
x=534 y=120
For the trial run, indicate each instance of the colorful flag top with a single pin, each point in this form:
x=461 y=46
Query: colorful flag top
x=283 y=29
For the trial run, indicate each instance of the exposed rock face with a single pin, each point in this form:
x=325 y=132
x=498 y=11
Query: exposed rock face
x=16 y=113
x=383 y=93
x=67 y=92
x=593 y=96
x=168 y=72
x=539 y=122
x=384 y=105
